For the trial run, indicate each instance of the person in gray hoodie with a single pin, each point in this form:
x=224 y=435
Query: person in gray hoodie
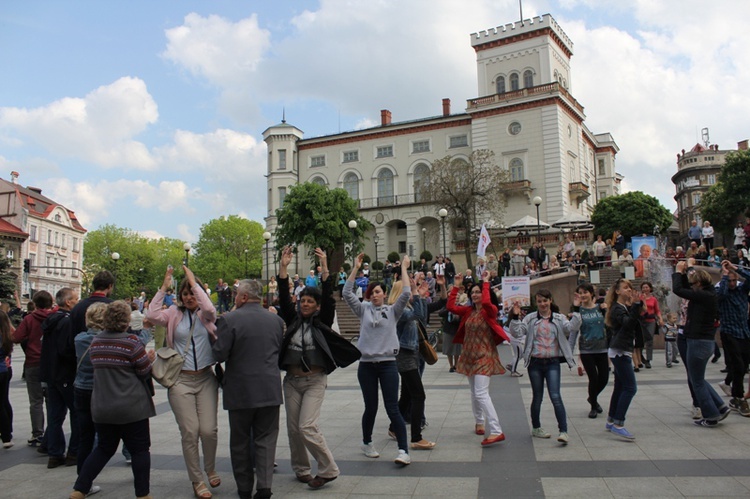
x=379 y=344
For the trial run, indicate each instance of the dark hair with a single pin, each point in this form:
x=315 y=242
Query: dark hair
x=372 y=286
x=586 y=287
x=6 y=340
x=103 y=280
x=493 y=295
x=546 y=293
x=42 y=299
x=650 y=286
x=313 y=292
x=185 y=285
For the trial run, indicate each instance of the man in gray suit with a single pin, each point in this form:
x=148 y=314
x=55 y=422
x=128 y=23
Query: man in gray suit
x=249 y=340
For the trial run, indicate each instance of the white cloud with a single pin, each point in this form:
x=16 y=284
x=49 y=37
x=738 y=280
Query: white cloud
x=98 y=128
x=185 y=233
x=151 y=234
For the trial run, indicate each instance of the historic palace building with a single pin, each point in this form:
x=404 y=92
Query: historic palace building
x=525 y=113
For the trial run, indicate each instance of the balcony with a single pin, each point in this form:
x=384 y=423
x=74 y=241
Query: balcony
x=539 y=90
x=389 y=201
x=579 y=191
x=519 y=188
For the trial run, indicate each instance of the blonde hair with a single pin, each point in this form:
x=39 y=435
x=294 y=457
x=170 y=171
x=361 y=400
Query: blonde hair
x=95 y=315
x=396 y=291
x=700 y=276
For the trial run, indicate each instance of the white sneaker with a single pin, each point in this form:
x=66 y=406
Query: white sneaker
x=8 y=444
x=403 y=458
x=540 y=433
x=726 y=389
x=95 y=489
x=695 y=413
x=563 y=438
x=369 y=450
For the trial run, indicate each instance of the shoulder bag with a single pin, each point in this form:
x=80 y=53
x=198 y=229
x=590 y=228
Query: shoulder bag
x=426 y=350
x=168 y=363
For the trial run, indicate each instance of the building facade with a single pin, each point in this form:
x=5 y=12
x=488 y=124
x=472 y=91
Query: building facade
x=697 y=170
x=47 y=233
x=526 y=114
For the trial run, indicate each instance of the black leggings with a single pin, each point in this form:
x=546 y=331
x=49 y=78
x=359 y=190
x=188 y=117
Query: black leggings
x=597 y=369
x=411 y=403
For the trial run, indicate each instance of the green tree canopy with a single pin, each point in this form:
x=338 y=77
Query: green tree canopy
x=223 y=247
x=729 y=199
x=469 y=190
x=314 y=216
x=633 y=213
x=7 y=279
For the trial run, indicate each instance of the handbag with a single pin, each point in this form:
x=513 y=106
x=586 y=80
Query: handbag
x=168 y=363
x=425 y=349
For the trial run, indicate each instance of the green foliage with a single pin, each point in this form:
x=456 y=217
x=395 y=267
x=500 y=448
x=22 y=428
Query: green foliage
x=366 y=258
x=727 y=200
x=426 y=255
x=468 y=190
x=377 y=265
x=314 y=216
x=224 y=246
x=393 y=256
x=633 y=213
x=7 y=279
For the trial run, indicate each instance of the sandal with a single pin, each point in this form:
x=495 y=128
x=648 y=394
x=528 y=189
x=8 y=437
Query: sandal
x=201 y=491
x=214 y=480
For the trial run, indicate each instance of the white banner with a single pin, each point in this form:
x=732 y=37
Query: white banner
x=516 y=289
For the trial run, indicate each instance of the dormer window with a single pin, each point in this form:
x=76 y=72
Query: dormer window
x=58 y=218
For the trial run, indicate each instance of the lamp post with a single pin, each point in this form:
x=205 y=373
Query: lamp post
x=442 y=213
x=537 y=202
x=352 y=227
x=245 y=263
x=424 y=239
x=115 y=256
x=186 y=247
x=376 y=240
x=267 y=237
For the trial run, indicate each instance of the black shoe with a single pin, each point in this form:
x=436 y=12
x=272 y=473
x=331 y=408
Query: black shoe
x=647 y=364
x=262 y=494
x=715 y=359
x=42 y=449
x=54 y=462
x=71 y=460
x=452 y=370
x=636 y=370
x=706 y=422
x=675 y=361
x=725 y=370
x=593 y=413
x=599 y=409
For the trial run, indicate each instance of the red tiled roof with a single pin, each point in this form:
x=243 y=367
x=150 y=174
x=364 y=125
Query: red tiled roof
x=40 y=206
x=8 y=228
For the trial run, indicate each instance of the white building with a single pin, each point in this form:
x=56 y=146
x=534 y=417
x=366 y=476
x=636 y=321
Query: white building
x=526 y=114
x=52 y=238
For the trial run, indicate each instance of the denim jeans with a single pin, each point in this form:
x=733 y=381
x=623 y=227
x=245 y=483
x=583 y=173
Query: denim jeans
x=138 y=438
x=541 y=370
x=624 y=390
x=369 y=375
x=682 y=348
x=59 y=402
x=698 y=353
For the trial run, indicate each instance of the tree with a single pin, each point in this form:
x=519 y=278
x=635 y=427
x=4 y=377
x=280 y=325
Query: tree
x=220 y=250
x=314 y=216
x=469 y=190
x=633 y=213
x=7 y=279
x=728 y=199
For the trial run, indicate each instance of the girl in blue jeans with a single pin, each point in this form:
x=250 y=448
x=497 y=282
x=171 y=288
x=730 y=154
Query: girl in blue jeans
x=623 y=321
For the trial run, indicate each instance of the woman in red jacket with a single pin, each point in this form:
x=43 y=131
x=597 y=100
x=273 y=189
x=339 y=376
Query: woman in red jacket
x=480 y=334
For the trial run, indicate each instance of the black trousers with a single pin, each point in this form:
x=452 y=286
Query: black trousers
x=259 y=426
x=597 y=369
x=737 y=353
x=411 y=402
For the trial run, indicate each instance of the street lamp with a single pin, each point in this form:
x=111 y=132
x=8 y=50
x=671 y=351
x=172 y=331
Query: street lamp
x=538 y=201
x=376 y=240
x=186 y=247
x=245 y=263
x=267 y=237
x=424 y=239
x=442 y=213
x=352 y=227
x=115 y=256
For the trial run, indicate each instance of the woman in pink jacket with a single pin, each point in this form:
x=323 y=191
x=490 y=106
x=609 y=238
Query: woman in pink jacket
x=194 y=398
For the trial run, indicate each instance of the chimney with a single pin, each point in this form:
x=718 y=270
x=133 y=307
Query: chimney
x=14 y=176
x=385 y=117
x=446 y=107
x=742 y=146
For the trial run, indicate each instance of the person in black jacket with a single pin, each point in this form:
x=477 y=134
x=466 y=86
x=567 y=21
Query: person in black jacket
x=623 y=321
x=696 y=286
x=309 y=352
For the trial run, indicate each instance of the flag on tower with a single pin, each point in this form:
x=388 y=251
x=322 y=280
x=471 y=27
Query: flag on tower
x=484 y=241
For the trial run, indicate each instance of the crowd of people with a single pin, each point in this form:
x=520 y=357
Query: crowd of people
x=93 y=366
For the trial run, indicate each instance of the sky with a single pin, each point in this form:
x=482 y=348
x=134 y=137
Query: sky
x=149 y=114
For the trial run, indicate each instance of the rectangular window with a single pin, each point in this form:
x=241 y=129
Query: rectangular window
x=75 y=244
x=602 y=194
x=62 y=266
x=32 y=233
x=32 y=261
x=62 y=242
x=317 y=161
x=710 y=179
x=460 y=141
x=57 y=238
x=602 y=169
x=49 y=236
x=282 y=196
x=384 y=151
x=696 y=198
x=351 y=156
x=74 y=272
x=420 y=146
x=402 y=247
x=282 y=159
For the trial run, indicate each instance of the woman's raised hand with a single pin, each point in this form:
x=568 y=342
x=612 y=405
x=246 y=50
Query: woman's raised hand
x=358 y=260
x=286 y=257
x=458 y=280
x=167 y=278
x=189 y=275
x=486 y=276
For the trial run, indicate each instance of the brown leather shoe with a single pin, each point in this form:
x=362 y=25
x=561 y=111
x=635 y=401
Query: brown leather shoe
x=305 y=478
x=319 y=481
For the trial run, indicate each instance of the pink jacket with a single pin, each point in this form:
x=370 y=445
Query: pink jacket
x=172 y=316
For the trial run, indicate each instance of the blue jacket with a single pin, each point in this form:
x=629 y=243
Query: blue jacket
x=406 y=328
x=733 y=306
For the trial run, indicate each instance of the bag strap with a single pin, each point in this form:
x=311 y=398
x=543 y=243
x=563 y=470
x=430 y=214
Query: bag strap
x=84 y=355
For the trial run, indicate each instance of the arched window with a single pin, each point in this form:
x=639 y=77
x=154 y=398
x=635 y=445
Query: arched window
x=319 y=181
x=500 y=84
x=528 y=79
x=351 y=185
x=385 y=187
x=516 y=170
x=421 y=183
x=514 y=82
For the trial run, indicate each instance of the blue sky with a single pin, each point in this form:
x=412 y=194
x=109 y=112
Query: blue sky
x=149 y=114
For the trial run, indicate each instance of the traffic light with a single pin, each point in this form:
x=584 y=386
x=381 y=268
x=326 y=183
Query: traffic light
x=27 y=265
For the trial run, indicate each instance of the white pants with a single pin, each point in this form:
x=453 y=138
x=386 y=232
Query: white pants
x=481 y=404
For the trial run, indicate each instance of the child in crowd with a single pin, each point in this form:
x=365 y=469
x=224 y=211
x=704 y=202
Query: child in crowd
x=670 y=339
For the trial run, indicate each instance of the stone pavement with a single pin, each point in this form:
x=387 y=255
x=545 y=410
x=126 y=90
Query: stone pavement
x=670 y=457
